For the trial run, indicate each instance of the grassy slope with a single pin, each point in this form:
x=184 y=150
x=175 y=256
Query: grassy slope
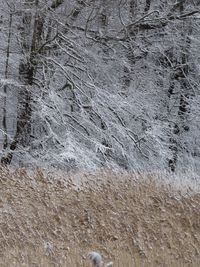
x=135 y=221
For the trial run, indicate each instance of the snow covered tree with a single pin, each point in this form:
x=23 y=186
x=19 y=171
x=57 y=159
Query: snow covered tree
x=102 y=83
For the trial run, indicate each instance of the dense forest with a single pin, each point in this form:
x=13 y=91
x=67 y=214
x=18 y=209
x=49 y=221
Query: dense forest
x=100 y=83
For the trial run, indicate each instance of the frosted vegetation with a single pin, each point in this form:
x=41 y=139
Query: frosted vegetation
x=131 y=220
x=100 y=83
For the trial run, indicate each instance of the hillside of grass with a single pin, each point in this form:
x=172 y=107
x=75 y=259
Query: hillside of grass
x=133 y=220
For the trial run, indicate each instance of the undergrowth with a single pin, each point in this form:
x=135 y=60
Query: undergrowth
x=133 y=220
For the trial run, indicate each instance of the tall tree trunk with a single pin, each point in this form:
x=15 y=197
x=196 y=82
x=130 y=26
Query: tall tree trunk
x=133 y=9
x=147 y=5
x=5 y=130
x=27 y=70
x=181 y=75
x=103 y=18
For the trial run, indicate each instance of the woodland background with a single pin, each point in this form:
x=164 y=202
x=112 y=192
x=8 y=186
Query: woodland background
x=100 y=83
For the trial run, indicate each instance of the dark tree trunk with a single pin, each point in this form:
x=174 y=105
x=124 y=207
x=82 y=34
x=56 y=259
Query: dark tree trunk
x=27 y=69
x=147 y=6
x=4 y=123
x=181 y=75
x=133 y=9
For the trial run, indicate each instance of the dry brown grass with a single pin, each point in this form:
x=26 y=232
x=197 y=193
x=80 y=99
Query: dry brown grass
x=133 y=220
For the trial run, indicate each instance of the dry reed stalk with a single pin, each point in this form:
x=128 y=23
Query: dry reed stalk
x=133 y=220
